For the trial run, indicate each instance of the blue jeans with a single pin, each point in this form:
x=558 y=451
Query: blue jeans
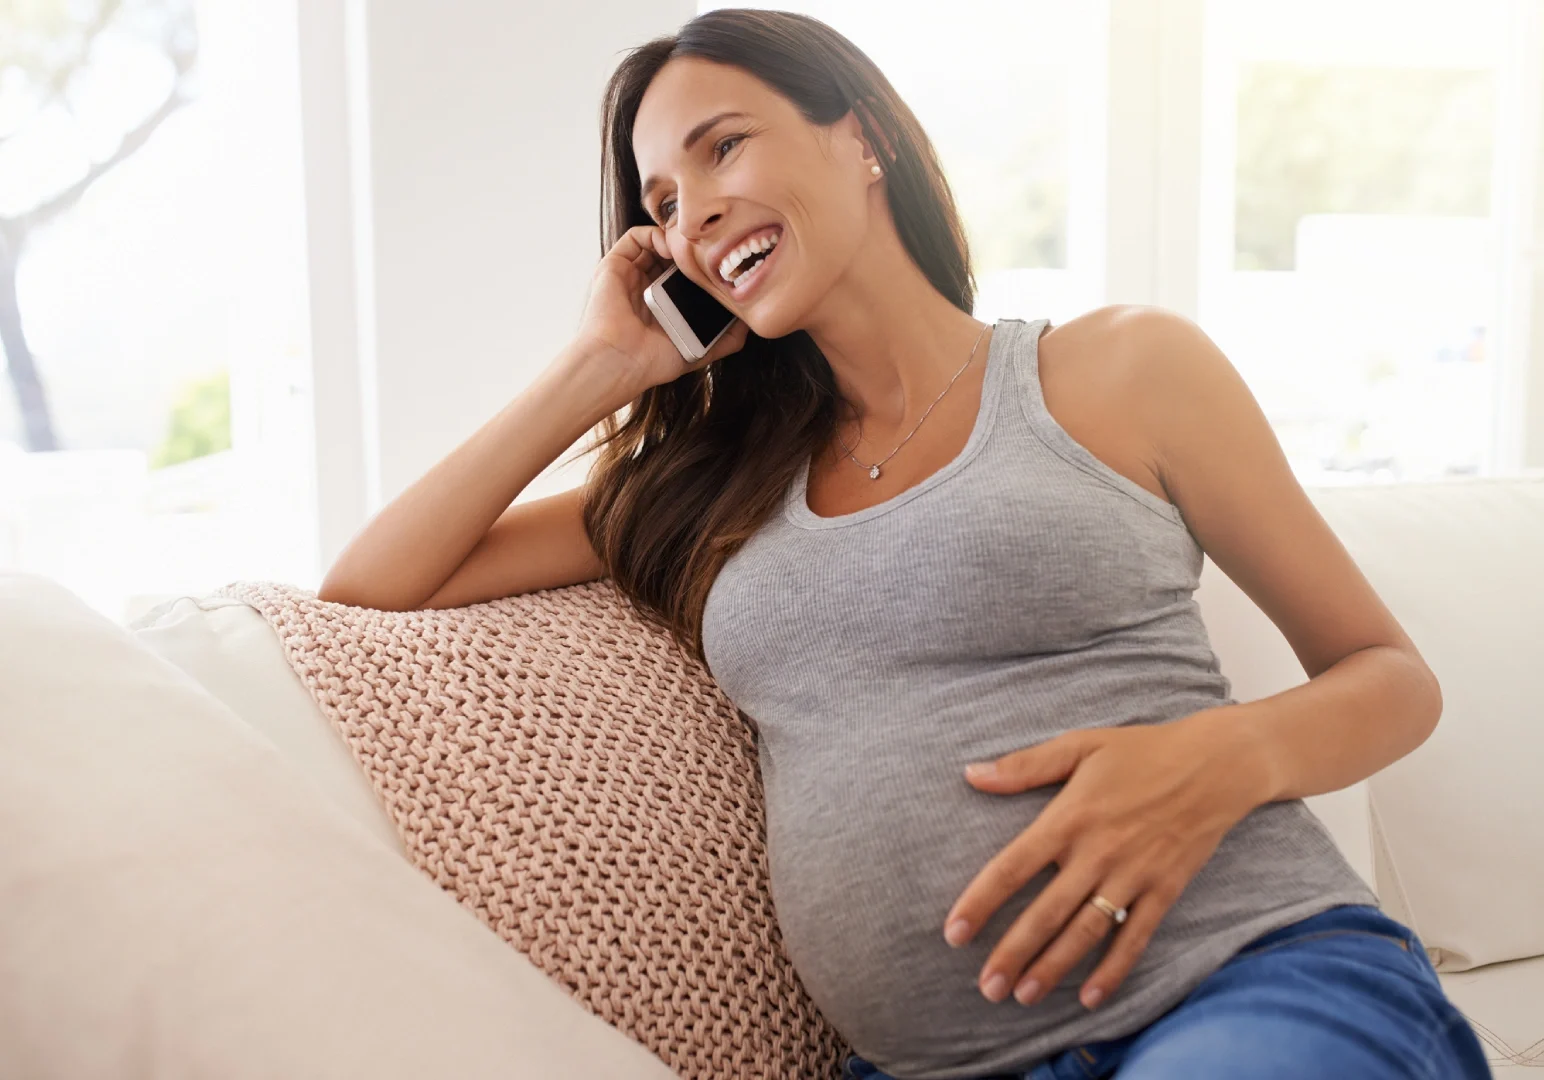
x=1348 y=992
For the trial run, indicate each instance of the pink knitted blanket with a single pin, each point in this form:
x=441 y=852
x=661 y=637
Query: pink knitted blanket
x=560 y=767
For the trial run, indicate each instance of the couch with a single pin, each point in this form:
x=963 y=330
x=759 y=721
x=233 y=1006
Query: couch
x=138 y=939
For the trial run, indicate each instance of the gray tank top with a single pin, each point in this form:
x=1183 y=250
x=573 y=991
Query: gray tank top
x=1023 y=590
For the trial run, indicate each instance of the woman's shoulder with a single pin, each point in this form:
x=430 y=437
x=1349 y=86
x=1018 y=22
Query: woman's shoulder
x=1113 y=338
x=1125 y=358
x=1093 y=369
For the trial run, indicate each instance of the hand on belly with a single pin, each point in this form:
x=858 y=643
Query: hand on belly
x=1142 y=809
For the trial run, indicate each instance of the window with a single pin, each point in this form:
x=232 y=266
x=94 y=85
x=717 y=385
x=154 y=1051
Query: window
x=155 y=434
x=1354 y=223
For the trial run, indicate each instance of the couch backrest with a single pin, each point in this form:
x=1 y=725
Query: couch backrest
x=1459 y=837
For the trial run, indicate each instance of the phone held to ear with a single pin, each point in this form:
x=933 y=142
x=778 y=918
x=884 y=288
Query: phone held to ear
x=689 y=314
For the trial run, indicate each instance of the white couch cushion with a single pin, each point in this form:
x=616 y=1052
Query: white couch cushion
x=1461 y=565
x=233 y=652
x=1505 y=1006
x=178 y=898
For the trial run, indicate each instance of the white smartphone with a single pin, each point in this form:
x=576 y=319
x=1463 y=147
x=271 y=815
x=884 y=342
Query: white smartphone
x=690 y=315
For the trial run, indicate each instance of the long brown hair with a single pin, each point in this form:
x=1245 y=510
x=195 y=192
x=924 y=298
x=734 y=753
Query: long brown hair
x=700 y=462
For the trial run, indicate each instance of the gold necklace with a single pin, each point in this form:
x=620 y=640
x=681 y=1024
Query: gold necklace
x=873 y=470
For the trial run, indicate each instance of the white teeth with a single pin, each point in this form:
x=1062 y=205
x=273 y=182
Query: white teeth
x=745 y=251
x=742 y=282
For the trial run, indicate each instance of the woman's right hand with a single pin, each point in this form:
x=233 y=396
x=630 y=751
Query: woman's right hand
x=619 y=323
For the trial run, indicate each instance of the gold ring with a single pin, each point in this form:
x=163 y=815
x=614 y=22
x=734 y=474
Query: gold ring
x=1116 y=913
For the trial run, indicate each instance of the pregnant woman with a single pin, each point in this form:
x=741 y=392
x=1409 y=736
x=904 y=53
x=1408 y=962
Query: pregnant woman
x=1016 y=825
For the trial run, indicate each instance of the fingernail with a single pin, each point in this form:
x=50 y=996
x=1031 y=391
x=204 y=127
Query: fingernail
x=980 y=770
x=955 y=932
x=995 y=987
x=1091 y=997
x=1026 y=991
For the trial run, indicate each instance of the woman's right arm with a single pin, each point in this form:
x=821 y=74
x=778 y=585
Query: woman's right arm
x=454 y=538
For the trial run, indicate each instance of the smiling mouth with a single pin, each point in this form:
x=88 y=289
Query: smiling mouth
x=755 y=252
x=752 y=268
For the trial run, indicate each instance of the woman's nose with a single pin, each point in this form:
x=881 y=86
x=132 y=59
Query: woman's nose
x=698 y=215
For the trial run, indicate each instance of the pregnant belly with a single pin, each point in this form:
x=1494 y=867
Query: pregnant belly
x=864 y=870
x=862 y=875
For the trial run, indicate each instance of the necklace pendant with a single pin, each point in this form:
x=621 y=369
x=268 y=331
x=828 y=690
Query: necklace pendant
x=874 y=473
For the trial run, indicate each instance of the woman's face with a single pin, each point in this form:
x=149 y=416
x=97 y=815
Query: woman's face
x=765 y=173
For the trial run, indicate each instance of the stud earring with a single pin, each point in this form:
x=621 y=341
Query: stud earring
x=875 y=169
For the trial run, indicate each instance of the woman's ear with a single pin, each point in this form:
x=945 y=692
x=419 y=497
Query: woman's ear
x=863 y=109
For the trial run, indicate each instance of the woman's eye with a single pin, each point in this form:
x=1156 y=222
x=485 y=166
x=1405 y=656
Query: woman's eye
x=665 y=207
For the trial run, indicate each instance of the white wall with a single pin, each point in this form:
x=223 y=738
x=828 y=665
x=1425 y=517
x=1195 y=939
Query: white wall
x=453 y=161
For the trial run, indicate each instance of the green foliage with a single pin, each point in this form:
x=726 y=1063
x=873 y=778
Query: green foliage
x=1356 y=140
x=200 y=422
x=43 y=39
x=44 y=44
x=48 y=50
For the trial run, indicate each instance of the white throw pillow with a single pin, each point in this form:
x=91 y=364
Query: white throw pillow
x=179 y=900
x=233 y=652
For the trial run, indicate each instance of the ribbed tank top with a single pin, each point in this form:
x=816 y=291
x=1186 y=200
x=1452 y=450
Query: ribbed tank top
x=1023 y=590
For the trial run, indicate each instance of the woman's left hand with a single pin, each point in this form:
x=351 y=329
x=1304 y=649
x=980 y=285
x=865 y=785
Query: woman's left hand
x=1143 y=808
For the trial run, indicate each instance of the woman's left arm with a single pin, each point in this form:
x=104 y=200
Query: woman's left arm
x=1370 y=698
x=1144 y=806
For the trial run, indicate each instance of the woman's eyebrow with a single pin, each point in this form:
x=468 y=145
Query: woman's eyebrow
x=686 y=144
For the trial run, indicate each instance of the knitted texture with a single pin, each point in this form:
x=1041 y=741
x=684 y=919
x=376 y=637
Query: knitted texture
x=561 y=768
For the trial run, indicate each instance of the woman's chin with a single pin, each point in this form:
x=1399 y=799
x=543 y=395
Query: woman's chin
x=773 y=316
